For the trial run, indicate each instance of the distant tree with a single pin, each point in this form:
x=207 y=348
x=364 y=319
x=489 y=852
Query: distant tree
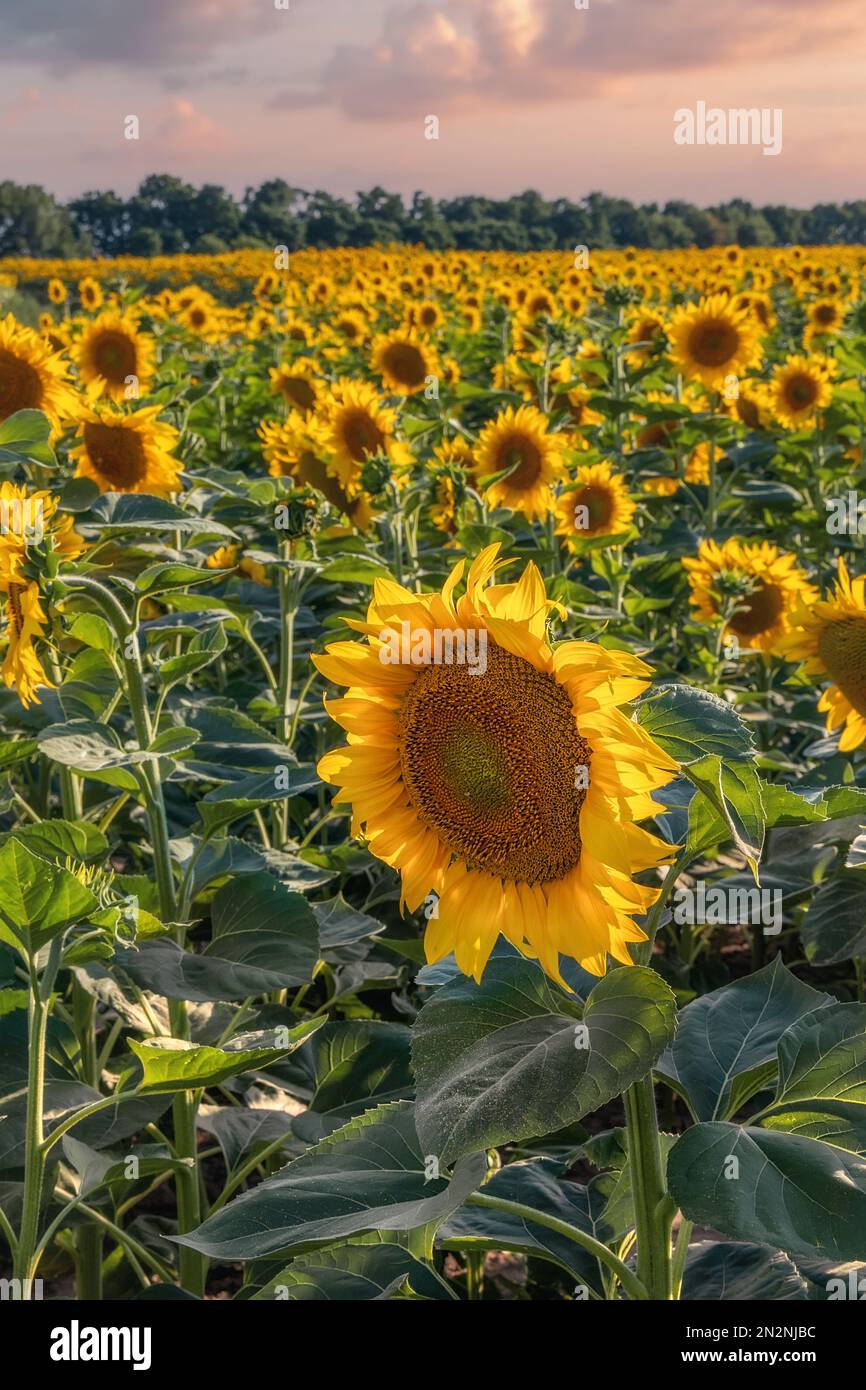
x=32 y=223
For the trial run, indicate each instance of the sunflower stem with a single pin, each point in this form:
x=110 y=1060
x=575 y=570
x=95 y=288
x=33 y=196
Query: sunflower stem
x=654 y=1209
x=633 y=1286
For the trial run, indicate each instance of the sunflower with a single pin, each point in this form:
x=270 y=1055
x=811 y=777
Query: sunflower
x=405 y=362
x=757 y=585
x=509 y=789
x=90 y=294
x=799 y=389
x=427 y=316
x=712 y=340
x=598 y=505
x=298 y=383
x=114 y=359
x=28 y=521
x=128 y=452
x=32 y=375
x=825 y=316
x=575 y=401
x=358 y=426
x=57 y=292
x=829 y=636
x=523 y=459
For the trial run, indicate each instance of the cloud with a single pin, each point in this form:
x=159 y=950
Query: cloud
x=140 y=33
x=480 y=54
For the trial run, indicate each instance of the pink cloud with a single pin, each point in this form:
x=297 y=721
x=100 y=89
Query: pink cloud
x=470 y=55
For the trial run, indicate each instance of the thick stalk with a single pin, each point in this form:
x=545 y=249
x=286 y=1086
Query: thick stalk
x=24 y=1265
x=288 y=595
x=653 y=1207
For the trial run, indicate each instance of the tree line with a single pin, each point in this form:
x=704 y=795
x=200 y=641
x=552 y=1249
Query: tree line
x=167 y=215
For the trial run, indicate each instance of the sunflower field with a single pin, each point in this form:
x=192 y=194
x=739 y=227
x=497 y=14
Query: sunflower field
x=432 y=777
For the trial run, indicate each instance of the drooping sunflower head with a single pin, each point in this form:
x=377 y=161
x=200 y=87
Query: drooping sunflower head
x=33 y=376
x=496 y=772
x=114 y=359
x=522 y=459
x=713 y=340
x=598 y=505
x=829 y=637
x=800 y=388
x=755 y=587
x=128 y=452
x=405 y=361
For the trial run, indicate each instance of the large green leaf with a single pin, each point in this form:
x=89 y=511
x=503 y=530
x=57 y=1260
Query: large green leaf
x=821 y=1092
x=370 y=1175
x=516 y=1057
x=725 y=1046
x=353 y=1066
x=168 y=1064
x=795 y=1194
x=689 y=724
x=834 y=927
x=38 y=899
x=264 y=938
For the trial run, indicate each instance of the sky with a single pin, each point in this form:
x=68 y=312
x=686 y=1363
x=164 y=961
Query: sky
x=336 y=94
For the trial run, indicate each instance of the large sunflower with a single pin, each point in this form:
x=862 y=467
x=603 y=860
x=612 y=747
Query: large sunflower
x=800 y=388
x=599 y=505
x=32 y=375
x=522 y=458
x=298 y=383
x=758 y=584
x=829 y=636
x=114 y=358
x=713 y=340
x=128 y=452
x=405 y=361
x=510 y=791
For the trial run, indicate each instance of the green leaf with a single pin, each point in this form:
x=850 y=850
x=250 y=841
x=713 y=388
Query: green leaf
x=93 y=631
x=725 y=1046
x=117 y=512
x=690 y=724
x=515 y=1057
x=356 y=1271
x=795 y=1194
x=354 y=569
x=85 y=745
x=25 y=435
x=369 y=1175
x=170 y=1064
x=821 y=1091
x=39 y=900
x=162 y=578
x=723 y=1271
x=353 y=1066
x=734 y=791
x=537 y=1183
x=834 y=926
x=340 y=924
